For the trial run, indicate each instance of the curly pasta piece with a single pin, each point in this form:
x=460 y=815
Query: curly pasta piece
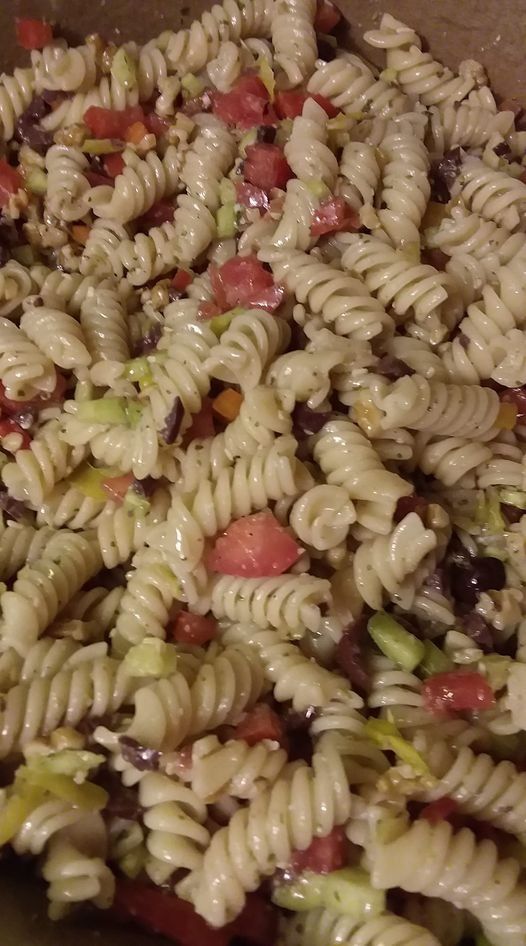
x=15 y=284
x=45 y=586
x=494 y=195
x=306 y=802
x=58 y=336
x=390 y=562
x=207 y=160
x=195 y=228
x=349 y=460
x=417 y=73
x=16 y=92
x=35 y=471
x=66 y=291
x=142 y=183
x=109 y=93
x=19 y=545
x=406 y=287
x=247 y=348
x=489 y=791
x=38 y=707
x=170 y=710
x=121 y=532
x=449 y=409
x=189 y=50
x=290 y=600
x=232 y=768
x=405 y=187
x=344 y=303
x=319 y=927
x=438 y=862
x=360 y=174
x=46 y=820
x=174 y=817
x=293 y=229
x=351 y=86
x=75 y=867
x=226 y=67
x=467 y=126
x=25 y=371
x=67 y=185
x=107 y=247
x=144 y=258
x=468 y=234
x=397 y=694
x=294 y=38
x=104 y=323
x=292 y=674
x=60 y=68
x=322 y=516
x=449 y=459
x=307 y=151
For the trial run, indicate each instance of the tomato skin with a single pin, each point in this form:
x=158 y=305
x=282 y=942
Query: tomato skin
x=439 y=810
x=266 y=166
x=9 y=426
x=161 y=212
x=289 y=104
x=251 y=196
x=245 y=105
x=517 y=397
x=327 y=16
x=182 y=280
x=113 y=165
x=262 y=722
x=208 y=310
x=202 y=425
x=457 y=691
x=33 y=34
x=334 y=215
x=254 y=546
x=243 y=280
x=323 y=855
x=110 y=123
x=10 y=182
x=36 y=403
x=193 y=629
x=116 y=487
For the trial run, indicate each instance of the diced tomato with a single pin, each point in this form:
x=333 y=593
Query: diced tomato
x=163 y=913
x=250 y=196
x=182 y=280
x=9 y=426
x=33 y=34
x=243 y=280
x=333 y=216
x=516 y=396
x=245 y=105
x=456 y=691
x=262 y=722
x=323 y=855
x=202 y=425
x=156 y=125
x=193 y=629
x=98 y=180
x=266 y=166
x=161 y=212
x=327 y=16
x=407 y=504
x=208 y=310
x=289 y=103
x=254 y=547
x=110 y=123
x=35 y=403
x=10 y=182
x=439 y=810
x=116 y=487
x=113 y=164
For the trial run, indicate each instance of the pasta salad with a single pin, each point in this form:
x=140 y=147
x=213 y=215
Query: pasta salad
x=263 y=483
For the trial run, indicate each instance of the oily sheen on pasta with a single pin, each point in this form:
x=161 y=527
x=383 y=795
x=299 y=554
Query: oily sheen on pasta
x=263 y=483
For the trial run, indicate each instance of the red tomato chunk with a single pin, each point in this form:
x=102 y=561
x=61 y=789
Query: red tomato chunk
x=33 y=34
x=260 y=723
x=439 y=810
x=254 y=547
x=113 y=165
x=243 y=280
x=110 y=123
x=161 y=212
x=193 y=629
x=266 y=166
x=251 y=196
x=246 y=105
x=117 y=486
x=289 y=104
x=10 y=182
x=327 y=16
x=333 y=216
x=323 y=855
x=457 y=691
x=182 y=280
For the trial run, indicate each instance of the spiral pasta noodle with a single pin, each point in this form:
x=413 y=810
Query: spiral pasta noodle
x=24 y=370
x=493 y=194
x=58 y=336
x=20 y=544
x=142 y=183
x=173 y=817
x=317 y=927
x=35 y=471
x=352 y=87
x=67 y=186
x=63 y=69
x=233 y=768
x=248 y=346
x=289 y=600
x=109 y=93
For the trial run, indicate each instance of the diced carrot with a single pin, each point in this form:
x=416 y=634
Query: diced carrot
x=80 y=233
x=135 y=133
x=228 y=404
